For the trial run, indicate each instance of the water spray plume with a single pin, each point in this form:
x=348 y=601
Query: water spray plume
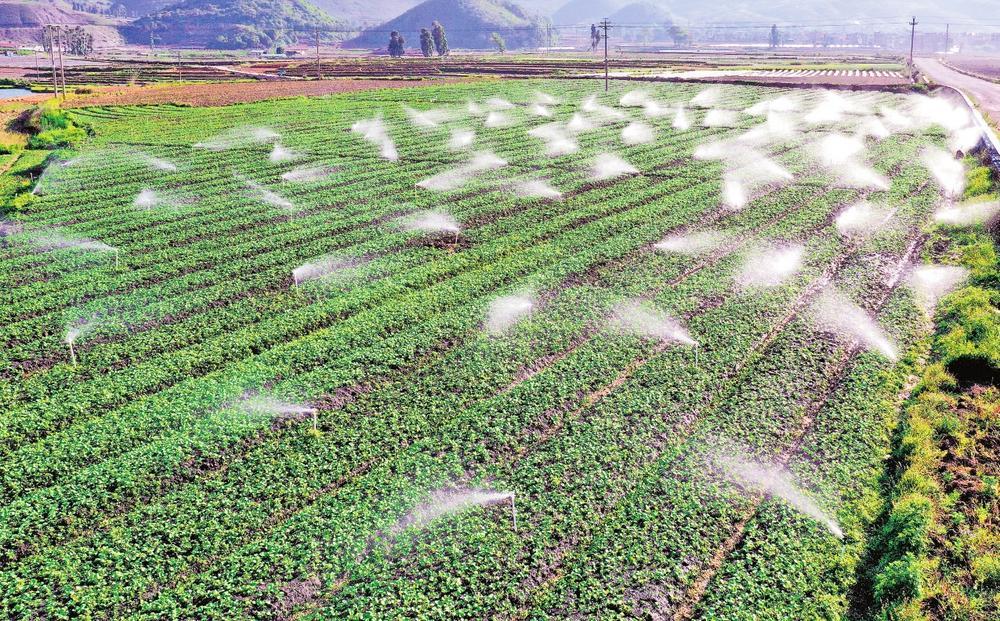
x=443 y=503
x=932 y=282
x=579 y=124
x=639 y=318
x=557 y=141
x=147 y=199
x=872 y=126
x=259 y=192
x=691 y=244
x=237 y=137
x=706 y=98
x=638 y=133
x=837 y=314
x=681 y=121
x=838 y=149
x=779 y=104
x=497 y=119
x=607 y=113
x=830 y=110
x=966 y=139
x=281 y=154
x=939 y=111
x=272 y=408
x=653 y=110
x=967 y=215
x=949 y=172
x=770 y=267
x=431 y=222
x=540 y=111
x=461 y=139
x=734 y=193
x=157 y=163
x=776 y=482
x=374 y=131
x=76 y=330
x=455 y=178
x=497 y=103
x=862 y=219
x=537 y=189
x=545 y=99
x=894 y=118
x=608 y=166
x=308 y=174
x=322 y=268
x=720 y=118
x=505 y=312
x=634 y=99
x=427 y=119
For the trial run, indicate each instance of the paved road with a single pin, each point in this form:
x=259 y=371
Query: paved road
x=985 y=94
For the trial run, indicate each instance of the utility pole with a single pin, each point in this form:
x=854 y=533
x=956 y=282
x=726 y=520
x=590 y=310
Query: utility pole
x=62 y=67
x=947 y=37
x=913 y=32
x=150 y=42
x=605 y=25
x=319 y=74
x=50 y=35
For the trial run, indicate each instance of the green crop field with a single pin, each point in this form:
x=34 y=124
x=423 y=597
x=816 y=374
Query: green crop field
x=263 y=361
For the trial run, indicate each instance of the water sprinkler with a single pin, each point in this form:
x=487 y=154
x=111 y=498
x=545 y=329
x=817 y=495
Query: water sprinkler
x=72 y=353
x=513 y=510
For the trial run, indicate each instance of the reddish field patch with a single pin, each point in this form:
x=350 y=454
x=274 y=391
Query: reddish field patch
x=221 y=94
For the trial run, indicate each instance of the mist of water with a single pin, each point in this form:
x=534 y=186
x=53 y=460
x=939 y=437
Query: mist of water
x=237 y=137
x=862 y=219
x=932 y=282
x=474 y=109
x=536 y=188
x=157 y=163
x=707 y=98
x=720 y=118
x=461 y=139
x=831 y=109
x=147 y=199
x=842 y=154
x=768 y=106
x=778 y=126
x=640 y=318
x=949 y=172
x=498 y=103
x=427 y=119
x=681 y=120
x=692 y=244
x=776 y=482
x=939 y=111
x=579 y=124
x=634 y=99
x=281 y=154
x=873 y=126
x=895 y=118
x=734 y=191
x=966 y=139
x=430 y=222
x=53 y=240
x=455 y=178
x=374 y=131
x=498 y=119
x=638 y=132
x=545 y=99
x=322 y=268
x=272 y=408
x=609 y=166
x=444 y=503
x=654 y=110
x=76 y=330
x=557 y=141
x=506 y=311
x=591 y=106
x=837 y=314
x=837 y=149
x=540 y=111
x=967 y=215
x=264 y=195
x=308 y=174
x=9 y=228
x=770 y=267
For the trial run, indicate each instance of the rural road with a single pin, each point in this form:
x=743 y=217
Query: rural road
x=985 y=94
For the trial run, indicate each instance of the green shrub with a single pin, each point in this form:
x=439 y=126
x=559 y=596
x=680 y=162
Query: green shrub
x=899 y=581
x=986 y=569
x=56 y=138
x=979 y=182
x=907 y=530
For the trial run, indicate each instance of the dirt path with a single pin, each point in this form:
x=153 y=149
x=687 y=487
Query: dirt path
x=985 y=94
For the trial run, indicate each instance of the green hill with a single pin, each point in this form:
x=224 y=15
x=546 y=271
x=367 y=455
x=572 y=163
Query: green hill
x=585 y=11
x=230 y=24
x=468 y=24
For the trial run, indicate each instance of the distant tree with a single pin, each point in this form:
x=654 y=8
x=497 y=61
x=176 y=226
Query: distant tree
x=678 y=35
x=498 y=42
x=440 y=38
x=397 y=45
x=595 y=37
x=426 y=42
x=775 y=37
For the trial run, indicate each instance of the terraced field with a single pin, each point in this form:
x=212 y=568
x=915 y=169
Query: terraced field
x=292 y=392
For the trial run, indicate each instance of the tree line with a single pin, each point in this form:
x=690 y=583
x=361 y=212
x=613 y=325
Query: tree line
x=431 y=40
